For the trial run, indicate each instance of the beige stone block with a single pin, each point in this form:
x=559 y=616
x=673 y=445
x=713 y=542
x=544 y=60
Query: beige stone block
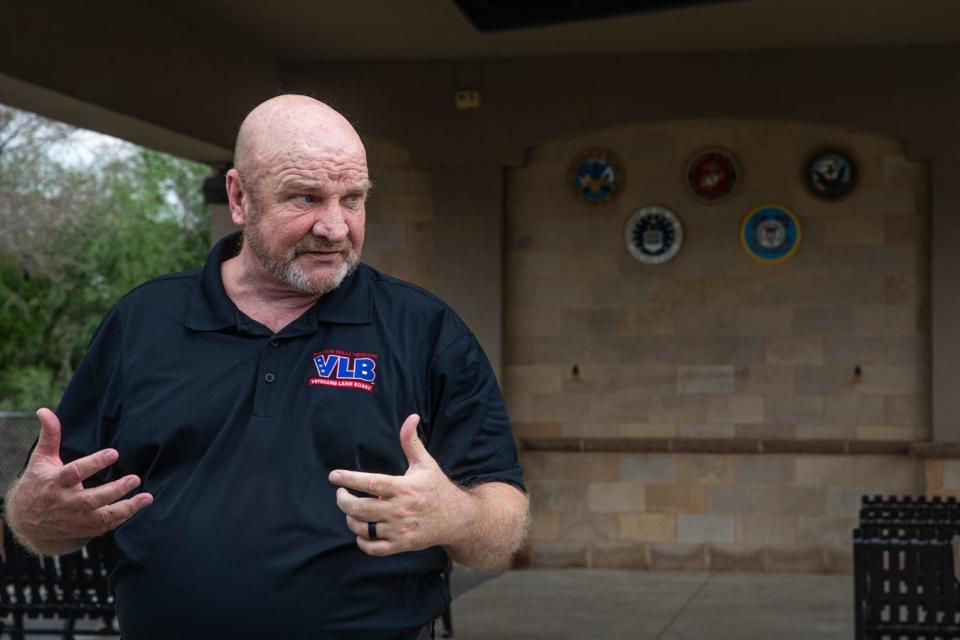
x=706 y=431
x=646 y=430
x=735 y=409
x=619 y=292
x=823 y=321
x=766 y=469
x=558 y=496
x=533 y=379
x=588 y=430
x=859 y=288
x=705 y=528
x=384 y=235
x=576 y=466
x=886 y=200
x=619 y=555
x=733 y=292
x=612 y=497
x=649 y=321
x=545 y=525
x=762 y=379
x=706 y=469
x=519 y=406
x=886 y=432
x=678 y=409
x=593 y=321
x=678 y=557
x=909 y=230
x=794 y=501
x=562 y=406
x=894 y=380
x=906 y=410
x=621 y=405
x=524 y=322
x=886 y=350
x=710 y=379
x=565 y=350
x=822 y=471
x=536 y=429
x=782 y=558
x=578 y=525
x=734 y=500
x=648 y=527
x=830 y=431
x=558 y=555
x=793 y=409
x=672 y=498
x=648 y=468
x=886 y=474
x=851 y=230
x=587 y=264
x=904 y=290
x=705 y=321
x=826 y=380
x=951 y=474
x=791 y=289
x=531 y=264
x=764 y=321
x=853 y=409
x=825 y=530
x=734 y=351
x=795 y=350
x=401 y=207
x=886 y=320
x=766 y=529
x=839 y=560
x=843 y=501
x=896 y=169
x=559 y=293
x=763 y=431
x=384 y=154
x=735 y=558
x=675 y=292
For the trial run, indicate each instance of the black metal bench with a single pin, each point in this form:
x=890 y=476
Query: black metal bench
x=904 y=584
x=63 y=589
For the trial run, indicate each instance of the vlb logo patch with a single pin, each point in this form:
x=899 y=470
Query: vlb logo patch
x=337 y=368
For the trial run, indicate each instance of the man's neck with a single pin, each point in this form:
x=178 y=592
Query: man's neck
x=261 y=296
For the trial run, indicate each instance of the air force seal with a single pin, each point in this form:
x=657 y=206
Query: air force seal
x=770 y=234
x=653 y=235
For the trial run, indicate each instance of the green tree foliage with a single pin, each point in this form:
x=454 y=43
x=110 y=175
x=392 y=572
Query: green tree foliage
x=74 y=238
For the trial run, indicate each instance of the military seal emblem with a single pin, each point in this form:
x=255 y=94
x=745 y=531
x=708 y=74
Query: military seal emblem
x=712 y=175
x=653 y=234
x=830 y=174
x=770 y=234
x=596 y=176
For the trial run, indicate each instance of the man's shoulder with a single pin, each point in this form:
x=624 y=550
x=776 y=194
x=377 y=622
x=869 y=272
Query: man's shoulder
x=387 y=289
x=170 y=288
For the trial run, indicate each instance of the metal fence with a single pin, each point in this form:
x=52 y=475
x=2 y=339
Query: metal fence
x=18 y=431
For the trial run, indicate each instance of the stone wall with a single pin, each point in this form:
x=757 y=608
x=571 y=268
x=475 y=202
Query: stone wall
x=399 y=215
x=715 y=346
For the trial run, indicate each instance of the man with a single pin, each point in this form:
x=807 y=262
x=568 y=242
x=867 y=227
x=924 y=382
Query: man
x=268 y=406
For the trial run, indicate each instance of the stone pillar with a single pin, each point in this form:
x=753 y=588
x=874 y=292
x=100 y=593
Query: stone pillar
x=215 y=195
x=467 y=269
x=945 y=295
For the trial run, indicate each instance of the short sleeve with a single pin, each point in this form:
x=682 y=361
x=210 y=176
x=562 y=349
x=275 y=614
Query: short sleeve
x=90 y=408
x=470 y=435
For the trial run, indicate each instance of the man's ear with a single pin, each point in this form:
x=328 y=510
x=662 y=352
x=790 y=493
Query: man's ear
x=237 y=198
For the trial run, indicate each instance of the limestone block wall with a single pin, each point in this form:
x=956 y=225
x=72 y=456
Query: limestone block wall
x=399 y=215
x=716 y=346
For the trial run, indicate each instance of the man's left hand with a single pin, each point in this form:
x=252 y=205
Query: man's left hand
x=419 y=509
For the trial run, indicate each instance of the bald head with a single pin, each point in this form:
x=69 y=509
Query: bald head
x=289 y=126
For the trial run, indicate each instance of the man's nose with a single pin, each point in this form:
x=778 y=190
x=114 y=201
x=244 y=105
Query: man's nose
x=330 y=223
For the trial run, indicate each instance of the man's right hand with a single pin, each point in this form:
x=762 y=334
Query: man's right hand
x=51 y=512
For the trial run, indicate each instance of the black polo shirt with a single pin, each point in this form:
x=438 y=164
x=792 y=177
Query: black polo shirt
x=234 y=430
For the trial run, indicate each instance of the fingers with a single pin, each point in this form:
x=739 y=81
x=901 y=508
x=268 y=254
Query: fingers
x=412 y=445
x=377 y=547
x=109 y=493
x=82 y=468
x=112 y=516
x=362 y=528
x=375 y=484
x=49 y=442
x=366 y=509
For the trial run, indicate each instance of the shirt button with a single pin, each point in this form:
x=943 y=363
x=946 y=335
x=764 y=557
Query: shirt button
x=274 y=343
x=269 y=377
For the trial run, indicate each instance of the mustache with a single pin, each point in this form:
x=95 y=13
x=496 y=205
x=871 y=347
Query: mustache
x=317 y=244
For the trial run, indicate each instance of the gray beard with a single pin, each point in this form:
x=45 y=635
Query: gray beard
x=287 y=270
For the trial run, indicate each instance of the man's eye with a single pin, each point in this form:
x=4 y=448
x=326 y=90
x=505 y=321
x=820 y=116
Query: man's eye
x=305 y=199
x=353 y=199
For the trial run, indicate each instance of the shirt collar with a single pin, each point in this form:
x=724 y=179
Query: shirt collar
x=210 y=308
